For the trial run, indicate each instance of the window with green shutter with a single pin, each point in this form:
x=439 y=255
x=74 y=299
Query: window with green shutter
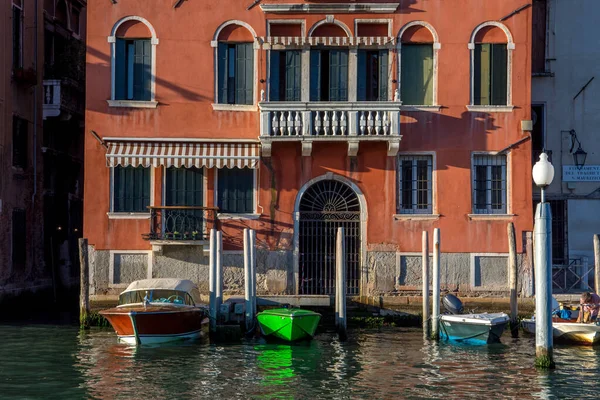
x=235 y=73
x=131 y=189
x=372 y=75
x=490 y=74
x=416 y=74
x=285 y=75
x=133 y=69
x=328 y=75
x=235 y=188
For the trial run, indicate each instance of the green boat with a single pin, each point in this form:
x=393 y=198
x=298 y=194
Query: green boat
x=288 y=324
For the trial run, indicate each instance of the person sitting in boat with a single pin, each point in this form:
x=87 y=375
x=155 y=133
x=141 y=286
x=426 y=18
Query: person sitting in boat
x=590 y=304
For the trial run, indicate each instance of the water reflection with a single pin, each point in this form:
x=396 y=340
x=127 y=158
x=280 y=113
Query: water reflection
x=59 y=362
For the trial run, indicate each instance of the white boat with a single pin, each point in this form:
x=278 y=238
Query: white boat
x=568 y=331
x=481 y=328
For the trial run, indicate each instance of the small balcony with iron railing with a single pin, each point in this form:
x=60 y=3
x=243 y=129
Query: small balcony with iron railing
x=62 y=96
x=180 y=225
x=348 y=122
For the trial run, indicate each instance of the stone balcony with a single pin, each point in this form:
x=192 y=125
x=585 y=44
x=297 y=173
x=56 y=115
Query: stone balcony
x=348 y=122
x=62 y=96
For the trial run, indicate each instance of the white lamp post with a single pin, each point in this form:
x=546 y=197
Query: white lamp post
x=543 y=173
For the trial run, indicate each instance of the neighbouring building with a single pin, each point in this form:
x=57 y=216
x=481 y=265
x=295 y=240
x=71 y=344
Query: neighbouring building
x=41 y=144
x=565 y=104
x=295 y=118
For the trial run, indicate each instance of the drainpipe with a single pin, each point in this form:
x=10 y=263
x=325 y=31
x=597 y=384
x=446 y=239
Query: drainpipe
x=35 y=114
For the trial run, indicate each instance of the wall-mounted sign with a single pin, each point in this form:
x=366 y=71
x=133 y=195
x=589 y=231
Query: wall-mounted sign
x=589 y=173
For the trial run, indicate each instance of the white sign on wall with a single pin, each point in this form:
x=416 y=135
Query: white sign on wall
x=589 y=173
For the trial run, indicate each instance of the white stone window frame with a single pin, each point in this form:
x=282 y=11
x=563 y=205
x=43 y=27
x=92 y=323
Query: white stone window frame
x=436 y=48
x=254 y=214
x=112 y=40
x=111 y=266
x=510 y=46
x=482 y=216
x=434 y=215
x=128 y=215
x=256 y=46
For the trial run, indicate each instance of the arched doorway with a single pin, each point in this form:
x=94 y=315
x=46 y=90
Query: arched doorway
x=325 y=206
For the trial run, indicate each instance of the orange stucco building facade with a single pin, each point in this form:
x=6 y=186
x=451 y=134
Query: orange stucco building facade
x=321 y=153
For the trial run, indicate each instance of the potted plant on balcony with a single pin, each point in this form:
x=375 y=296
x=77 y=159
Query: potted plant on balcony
x=176 y=235
x=25 y=75
x=195 y=235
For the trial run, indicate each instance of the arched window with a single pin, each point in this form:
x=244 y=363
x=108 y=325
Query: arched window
x=491 y=45
x=133 y=42
x=235 y=66
x=62 y=14
x=418 y=45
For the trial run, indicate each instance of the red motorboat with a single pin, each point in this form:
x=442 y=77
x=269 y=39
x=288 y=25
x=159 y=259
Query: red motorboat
x=158 y=311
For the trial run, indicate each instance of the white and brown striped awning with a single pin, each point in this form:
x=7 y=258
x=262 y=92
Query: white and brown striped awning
x=182 y=154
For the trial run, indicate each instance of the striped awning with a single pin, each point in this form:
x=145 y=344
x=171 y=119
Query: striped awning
x=218 y=155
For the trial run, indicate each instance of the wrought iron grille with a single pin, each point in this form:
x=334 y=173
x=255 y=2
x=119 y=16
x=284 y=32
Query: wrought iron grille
x=573 y=277
x=181 y=223
x=489 y=184
x=324 y=207
x=414 y=184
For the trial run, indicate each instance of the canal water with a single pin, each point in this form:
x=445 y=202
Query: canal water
x=59 y=362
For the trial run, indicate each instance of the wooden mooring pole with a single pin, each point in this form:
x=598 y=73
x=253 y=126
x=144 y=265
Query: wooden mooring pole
x=425 y=262
x=340 y=286
x=248 y=281
x=212 y=281
x=435 y=320
x=84 y=282
x=219 y=272
x=512 y=279
x=597 y=263
x=252 y=238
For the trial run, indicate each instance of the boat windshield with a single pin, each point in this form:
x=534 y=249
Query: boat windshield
x=156 y=296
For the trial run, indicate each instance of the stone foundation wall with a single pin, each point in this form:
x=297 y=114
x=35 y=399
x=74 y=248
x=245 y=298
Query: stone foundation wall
x=388 y=272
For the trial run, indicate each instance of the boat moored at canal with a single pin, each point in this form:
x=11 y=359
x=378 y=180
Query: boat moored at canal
x=157 y=311
x=568 y=331
x=289 y=324
x=481 y=328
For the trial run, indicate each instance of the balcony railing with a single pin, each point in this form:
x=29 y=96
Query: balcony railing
x=62 y=95
x=329 y=121
x=179 y=223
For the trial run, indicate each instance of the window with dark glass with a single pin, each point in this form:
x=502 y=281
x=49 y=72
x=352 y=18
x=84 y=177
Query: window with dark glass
x=17 y=37
x=489 y=184
x=20 y=142
x=372 y=76
x=19 y=239
x=235 y=73
x=415 y=184
x=328 y=75
x=490 y=69
x=133 y=74
x=131 y=189
x=235 y=188
x=416 y=74
x=285 y=75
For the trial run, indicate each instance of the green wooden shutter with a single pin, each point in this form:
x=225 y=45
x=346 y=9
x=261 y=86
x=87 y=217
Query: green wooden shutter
x=498 y=74
x=244 y=73
x=222 y=72
x=274 y=78
x=120 y=69
x=343 y=76
x=383 y=75
x=315 y=75
x=236 y=190
x=481 y=78
x=142 y=72
x=417 y=74
x=292 y=75
x=338 y=75
x=361 y=76
x=427 y=73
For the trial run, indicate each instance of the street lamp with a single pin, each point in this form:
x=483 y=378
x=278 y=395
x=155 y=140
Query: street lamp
x=543 y=173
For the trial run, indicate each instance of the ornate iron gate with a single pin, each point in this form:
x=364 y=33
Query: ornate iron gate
x=324 y=207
